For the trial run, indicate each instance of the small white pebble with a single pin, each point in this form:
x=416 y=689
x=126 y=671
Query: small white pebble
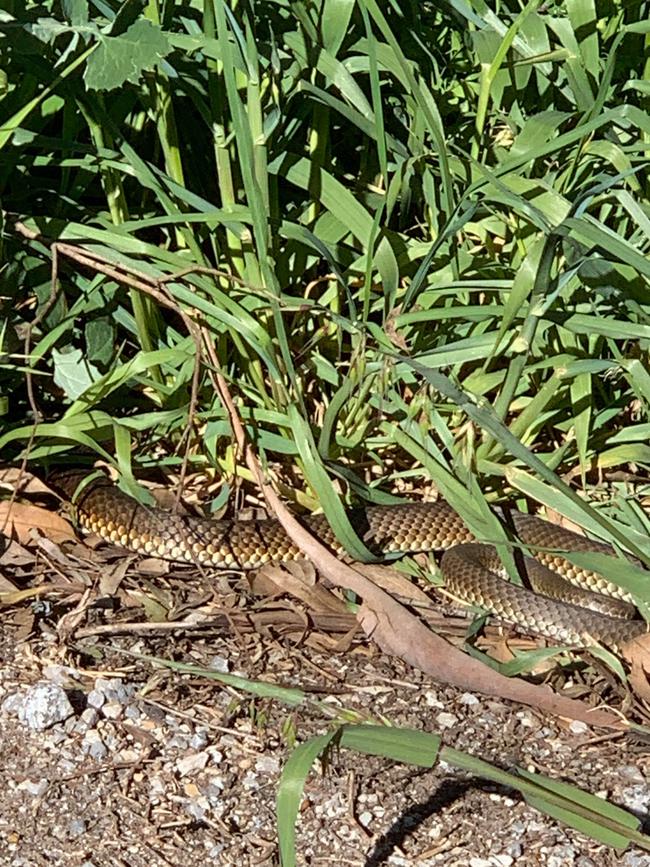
x=93 y=745
x=215 y=755
x=156 y=786
x=366 y=818
x=89 y=717
x=267 y=765
x=446 y=720
x=130 y=756
x=62 y=675
x=112 y=710
x=33 y=787
x=95 y=698
x=220 y=663
x=197 y=809
x=199 y=739
x=192 y=763
x=76 y=828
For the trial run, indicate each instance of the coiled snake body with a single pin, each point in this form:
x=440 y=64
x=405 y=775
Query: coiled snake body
x=560 y=607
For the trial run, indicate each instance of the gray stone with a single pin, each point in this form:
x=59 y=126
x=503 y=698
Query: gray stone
x=94 y=746
x=95 y=698
x=191 y=764
x=76 y=828
x=44 y=705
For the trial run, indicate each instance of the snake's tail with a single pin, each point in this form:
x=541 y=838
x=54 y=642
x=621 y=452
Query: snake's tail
x=471 y=572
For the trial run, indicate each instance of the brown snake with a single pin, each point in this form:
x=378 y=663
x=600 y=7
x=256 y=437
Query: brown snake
x=560 y=607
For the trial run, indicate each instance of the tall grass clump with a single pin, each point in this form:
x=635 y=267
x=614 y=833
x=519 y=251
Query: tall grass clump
x=413 y=238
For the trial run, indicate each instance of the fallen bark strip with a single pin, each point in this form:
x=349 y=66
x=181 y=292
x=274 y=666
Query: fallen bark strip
x=280 y=622
x=400 y=633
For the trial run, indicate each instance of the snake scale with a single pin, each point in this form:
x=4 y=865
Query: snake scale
x=567 y=604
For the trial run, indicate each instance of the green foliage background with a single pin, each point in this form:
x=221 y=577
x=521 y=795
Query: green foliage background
x=437 y=215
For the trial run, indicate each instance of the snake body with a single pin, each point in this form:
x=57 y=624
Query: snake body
x=567 y=604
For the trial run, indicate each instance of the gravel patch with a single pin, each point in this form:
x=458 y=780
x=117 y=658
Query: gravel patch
x=116 y=763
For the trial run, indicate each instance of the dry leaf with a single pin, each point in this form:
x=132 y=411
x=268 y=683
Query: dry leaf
x=637 y=654
x=395 y=583
x=391 y=331
x=6 y=585
x=19 y=520
x=23 y=621
x=154 y=611
x=153 y=566
x=501 y=651
x=11 y=477
x=297 y=579
x=112 y=576
x=15 y=555
x=52 y=551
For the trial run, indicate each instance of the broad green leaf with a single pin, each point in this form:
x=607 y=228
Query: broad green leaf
x=123 y=58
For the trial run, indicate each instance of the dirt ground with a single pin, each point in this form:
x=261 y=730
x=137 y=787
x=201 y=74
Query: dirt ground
x=109 y=761
x=152 y=768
